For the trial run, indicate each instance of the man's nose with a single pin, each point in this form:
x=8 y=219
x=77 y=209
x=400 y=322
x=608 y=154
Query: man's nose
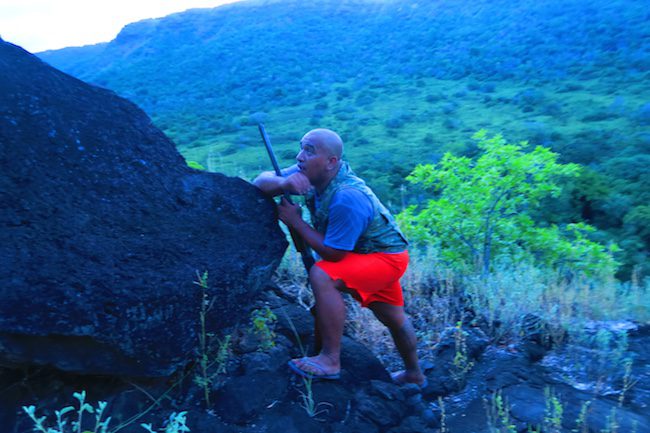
x=300 y=157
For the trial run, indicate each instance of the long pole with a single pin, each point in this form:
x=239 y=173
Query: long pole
x=298 y=241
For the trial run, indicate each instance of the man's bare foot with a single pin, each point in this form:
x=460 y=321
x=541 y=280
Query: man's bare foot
x=403 y=377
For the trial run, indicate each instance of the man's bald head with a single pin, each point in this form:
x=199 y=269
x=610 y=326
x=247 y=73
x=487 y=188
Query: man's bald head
x=327 y=139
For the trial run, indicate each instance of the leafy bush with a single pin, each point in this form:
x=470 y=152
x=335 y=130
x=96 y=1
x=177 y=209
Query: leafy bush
x=264 y=321
x=529 y=99
x=482 y=210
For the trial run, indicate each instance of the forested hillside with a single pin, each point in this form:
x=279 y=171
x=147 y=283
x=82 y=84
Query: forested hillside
x=403 y=82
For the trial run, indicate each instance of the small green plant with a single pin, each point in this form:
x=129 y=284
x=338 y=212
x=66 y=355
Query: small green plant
x=101 y=426
x=611 y=422
x=553 y=412
x=443 y=416
x=203 y=379
x=176 y=423
x=212 y=365
x=581 y=422
x=498 y=414
x=209 y=368
x=462 y=364
x=628 y=383
x=308 y=403
x=263 y=323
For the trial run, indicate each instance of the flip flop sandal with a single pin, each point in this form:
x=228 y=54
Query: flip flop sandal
x=394 y=376
x=311 y=375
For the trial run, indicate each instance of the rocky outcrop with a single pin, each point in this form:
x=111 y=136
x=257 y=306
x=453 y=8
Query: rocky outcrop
x=251 y=389
x=103 y=228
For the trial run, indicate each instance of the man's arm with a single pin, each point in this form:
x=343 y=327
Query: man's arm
x=272 y=185
x=269 y=183
x=290 y=215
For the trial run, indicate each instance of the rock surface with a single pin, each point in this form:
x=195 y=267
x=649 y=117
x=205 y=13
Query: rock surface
x=256 y=392
x=103 y=228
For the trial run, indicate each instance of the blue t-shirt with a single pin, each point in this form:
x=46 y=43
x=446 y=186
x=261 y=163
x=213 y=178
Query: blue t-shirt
x=350 y=214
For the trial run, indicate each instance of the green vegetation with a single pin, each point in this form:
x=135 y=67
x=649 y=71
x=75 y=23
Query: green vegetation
x=264 y=321
x=437 y=296
x=443 y=416
x=211 y=361
x=203 y=379
x=404 y=85
x=499 y=418
x=313 y=408
x=504 y=230
x=498 y=415
x=462 y=363
x=581 y=422
x=553 y=412
x=534 y=269
x=63 y=425
x=483 y=210
x=195 y=165
x=175 y=424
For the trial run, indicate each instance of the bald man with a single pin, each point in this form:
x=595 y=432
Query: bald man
x=362 y=252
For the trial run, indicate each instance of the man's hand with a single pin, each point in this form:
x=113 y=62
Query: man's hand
x=289 y=213
x=297 y=183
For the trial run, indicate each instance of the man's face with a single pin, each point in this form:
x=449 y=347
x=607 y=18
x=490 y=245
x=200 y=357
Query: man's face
x=313 y=160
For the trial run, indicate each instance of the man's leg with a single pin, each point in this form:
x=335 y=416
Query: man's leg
x=318 y=342
x=330 y=319
x=394 y=318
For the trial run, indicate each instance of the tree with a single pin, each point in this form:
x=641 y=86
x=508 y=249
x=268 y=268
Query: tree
x=482 y=210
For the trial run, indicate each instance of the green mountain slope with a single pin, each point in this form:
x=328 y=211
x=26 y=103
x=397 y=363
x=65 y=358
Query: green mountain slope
x=403 y=82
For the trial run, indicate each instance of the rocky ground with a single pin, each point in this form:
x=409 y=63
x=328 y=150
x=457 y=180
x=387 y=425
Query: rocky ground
x=253 y=390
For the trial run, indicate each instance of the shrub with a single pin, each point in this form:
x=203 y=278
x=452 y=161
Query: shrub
x=529 y=99
x=433 y=98
x=483 y=207
x=396 y=120
x=451 y=123
x=643 y=114
x=264 y=321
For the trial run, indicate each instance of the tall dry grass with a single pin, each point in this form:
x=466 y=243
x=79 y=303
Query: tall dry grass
x=437 y=298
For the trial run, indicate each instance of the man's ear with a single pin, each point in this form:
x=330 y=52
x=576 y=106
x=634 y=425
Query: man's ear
x=332 y=162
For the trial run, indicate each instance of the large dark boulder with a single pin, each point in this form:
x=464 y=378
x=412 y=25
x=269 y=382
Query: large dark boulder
x=103 y=227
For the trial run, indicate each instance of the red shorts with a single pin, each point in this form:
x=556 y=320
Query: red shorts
x=371 y=277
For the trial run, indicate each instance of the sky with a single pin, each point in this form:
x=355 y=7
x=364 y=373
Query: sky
x=38 y=25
